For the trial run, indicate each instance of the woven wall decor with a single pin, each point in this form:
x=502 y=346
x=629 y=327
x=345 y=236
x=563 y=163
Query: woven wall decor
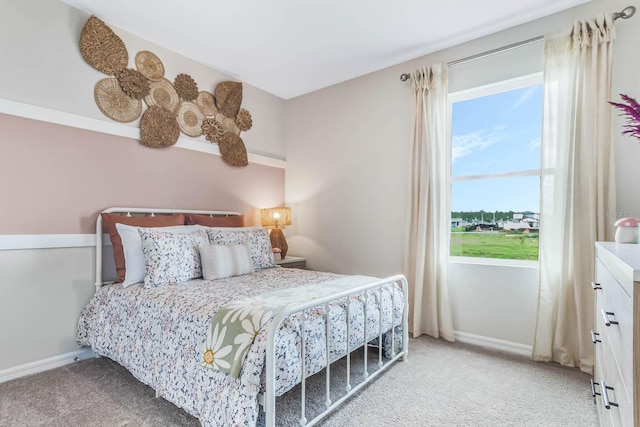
x=190 y=119
x=233 y=150
x=207 y=103
x=173 y=107
x=212 y=130
x=149 y=65
x=162 y=94
x=186 y=87
x=229 y=98
x=228 y=124
x=133 y=83
x=102 y=48
x=114 y=103
x=243 y=120
x=159 y=128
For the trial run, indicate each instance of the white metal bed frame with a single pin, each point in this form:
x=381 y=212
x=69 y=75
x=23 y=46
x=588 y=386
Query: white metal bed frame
x=268 y=398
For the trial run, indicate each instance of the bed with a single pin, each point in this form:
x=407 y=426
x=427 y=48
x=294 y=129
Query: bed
x=164 y=334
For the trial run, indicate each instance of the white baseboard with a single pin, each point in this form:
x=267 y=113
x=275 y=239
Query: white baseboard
x=45 y=364
x=494 y=344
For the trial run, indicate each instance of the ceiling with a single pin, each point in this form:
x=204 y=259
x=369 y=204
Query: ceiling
x=292 y=47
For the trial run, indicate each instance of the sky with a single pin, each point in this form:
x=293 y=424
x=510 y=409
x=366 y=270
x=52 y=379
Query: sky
x=495 y=134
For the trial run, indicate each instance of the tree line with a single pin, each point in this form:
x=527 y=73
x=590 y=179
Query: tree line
x=485 y=216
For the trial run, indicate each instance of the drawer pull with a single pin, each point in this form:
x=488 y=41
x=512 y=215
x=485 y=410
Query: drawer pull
x=605 y=395
x=605 y=317
x=596 y=286
x=593 y=337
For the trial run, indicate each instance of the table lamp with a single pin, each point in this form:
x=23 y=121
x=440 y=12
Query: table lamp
x=276 y=219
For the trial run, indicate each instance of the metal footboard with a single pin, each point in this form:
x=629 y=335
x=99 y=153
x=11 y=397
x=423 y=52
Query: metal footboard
x=269 y=398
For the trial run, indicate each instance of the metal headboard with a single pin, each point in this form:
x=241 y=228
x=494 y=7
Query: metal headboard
x=141 y=211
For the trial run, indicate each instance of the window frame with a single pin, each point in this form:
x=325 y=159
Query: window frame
x=478 y=92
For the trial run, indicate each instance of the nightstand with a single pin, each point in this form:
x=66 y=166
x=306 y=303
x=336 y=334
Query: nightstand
x=293 y=262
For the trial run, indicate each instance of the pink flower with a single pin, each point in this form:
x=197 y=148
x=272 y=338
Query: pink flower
x=632 y=110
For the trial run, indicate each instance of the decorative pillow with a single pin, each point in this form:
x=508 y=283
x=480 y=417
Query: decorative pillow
x=215 y=221
x=109 y=221
x=132 y=247
x=256 y=237
x=171 y=257
x=222 y=261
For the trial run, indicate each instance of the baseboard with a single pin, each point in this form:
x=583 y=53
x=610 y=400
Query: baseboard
x=494 y=344
x=45 y=364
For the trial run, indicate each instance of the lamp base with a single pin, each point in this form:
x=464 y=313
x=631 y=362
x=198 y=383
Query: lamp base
x=278 y=241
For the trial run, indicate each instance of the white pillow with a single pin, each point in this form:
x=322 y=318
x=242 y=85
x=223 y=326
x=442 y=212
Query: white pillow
x=256 y=237
x=134 y=260
x=171 y=257
x=222 y=261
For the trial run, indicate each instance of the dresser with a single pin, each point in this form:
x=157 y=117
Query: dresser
x=616 y=380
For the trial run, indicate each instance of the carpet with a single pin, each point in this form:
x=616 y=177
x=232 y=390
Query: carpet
x=442 y=384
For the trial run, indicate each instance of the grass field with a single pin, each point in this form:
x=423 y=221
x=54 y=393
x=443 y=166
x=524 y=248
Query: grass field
x=486 y=244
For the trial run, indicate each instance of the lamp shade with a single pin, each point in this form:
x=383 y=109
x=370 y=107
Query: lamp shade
x=276 y=217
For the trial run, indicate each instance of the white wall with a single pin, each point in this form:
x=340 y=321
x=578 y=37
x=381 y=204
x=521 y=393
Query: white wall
x=43 y=291
x=494 y=302
x=346 y=181
x=348 y=148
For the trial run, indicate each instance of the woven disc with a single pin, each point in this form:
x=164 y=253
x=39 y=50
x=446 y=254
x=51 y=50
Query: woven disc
x=228 y=124
x=190 y=119
x=229 y=98
x=149 y=65
x=212 y=130
x=158 y=128
x=162 y=94
x=186 y=87
x=114 y=103
x=233 y=150
x=207 y=103
x=243 y=120
x=133 y=83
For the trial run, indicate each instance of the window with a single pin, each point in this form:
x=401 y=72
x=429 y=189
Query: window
x=495 y=170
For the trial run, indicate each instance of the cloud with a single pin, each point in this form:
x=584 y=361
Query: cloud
x=534 y=144
x=524 y=97
x=464 y=145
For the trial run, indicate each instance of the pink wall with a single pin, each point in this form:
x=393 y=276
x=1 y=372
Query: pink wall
x=56 y=179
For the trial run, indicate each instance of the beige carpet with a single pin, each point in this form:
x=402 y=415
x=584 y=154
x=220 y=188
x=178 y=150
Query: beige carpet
x=442 y=384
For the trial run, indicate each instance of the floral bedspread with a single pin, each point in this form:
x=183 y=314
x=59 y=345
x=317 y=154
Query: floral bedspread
x=159 y=335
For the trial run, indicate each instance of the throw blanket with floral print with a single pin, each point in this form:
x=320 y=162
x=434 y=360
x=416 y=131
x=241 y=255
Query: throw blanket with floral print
x=234 y=327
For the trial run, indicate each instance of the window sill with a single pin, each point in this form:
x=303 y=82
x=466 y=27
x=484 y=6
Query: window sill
x=498 y=262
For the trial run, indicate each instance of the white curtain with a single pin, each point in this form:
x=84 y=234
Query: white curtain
x=428 y=235
x=578 y=188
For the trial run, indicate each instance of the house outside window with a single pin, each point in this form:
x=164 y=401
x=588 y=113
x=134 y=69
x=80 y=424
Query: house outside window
x=495 y=171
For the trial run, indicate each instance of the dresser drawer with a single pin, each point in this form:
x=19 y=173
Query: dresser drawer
x=607 y=417
x=617 y=361
x=607 y=372
x=618 y=336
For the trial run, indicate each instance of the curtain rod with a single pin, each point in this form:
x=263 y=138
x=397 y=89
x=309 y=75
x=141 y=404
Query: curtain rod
x=626 y=13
